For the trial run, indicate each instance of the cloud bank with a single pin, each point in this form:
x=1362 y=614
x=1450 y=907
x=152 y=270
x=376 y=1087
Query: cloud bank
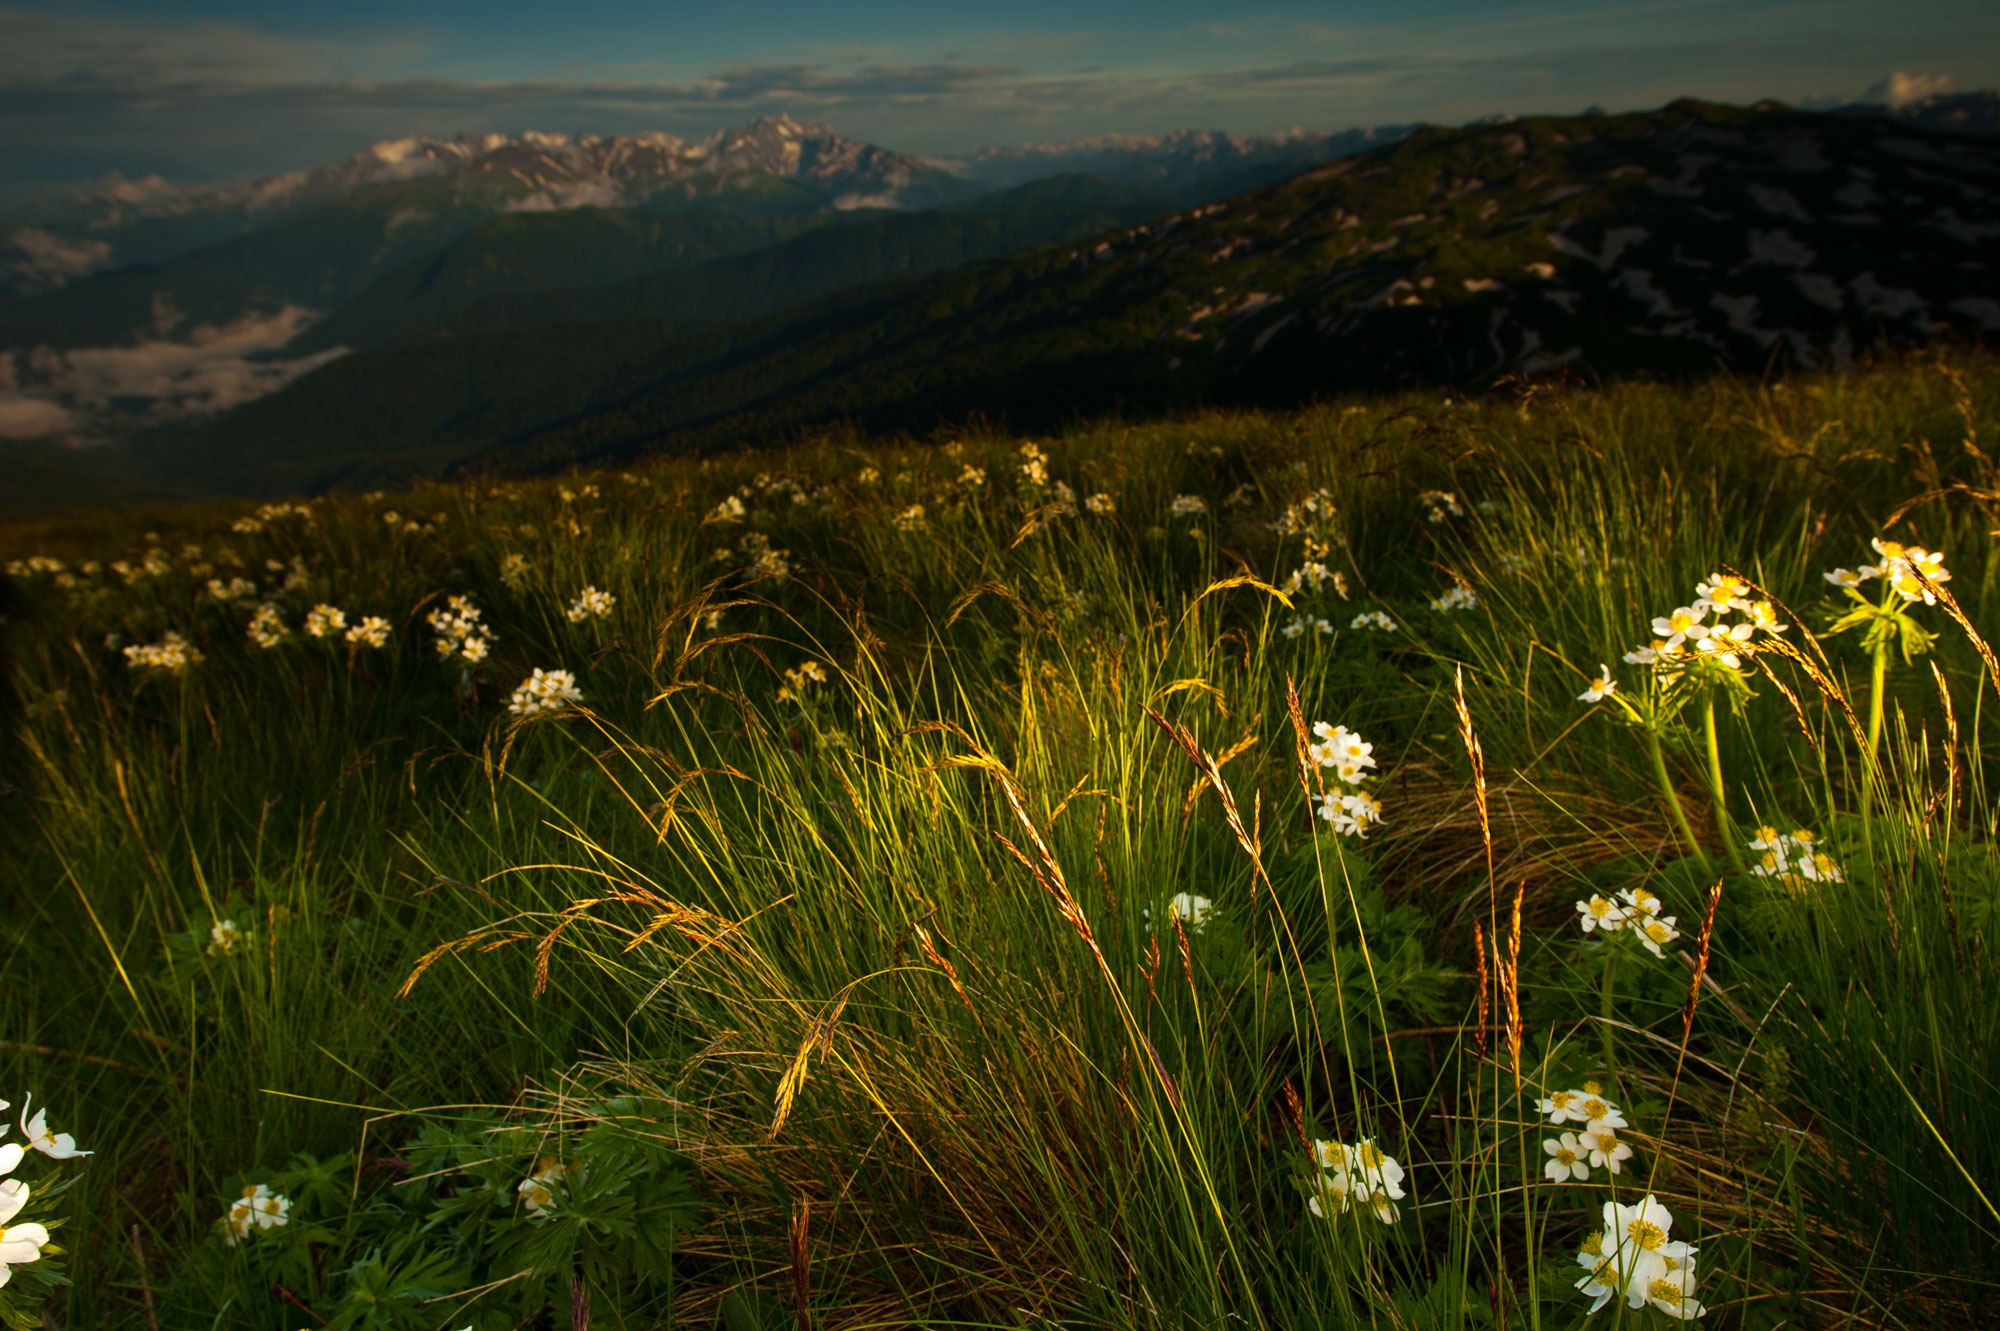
x=75 y=395
x=209 y=101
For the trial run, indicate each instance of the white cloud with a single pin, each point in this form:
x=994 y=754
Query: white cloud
x=575 y=194
x=31 y=258
x=86 y=390
x=1901 y=89
x=849 y=202
x=32 y=418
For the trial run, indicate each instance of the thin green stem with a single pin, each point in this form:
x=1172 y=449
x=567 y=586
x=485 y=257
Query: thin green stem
x=1673 y=801
x=1870 y=772
x=1606 y=1011
x=1717 y=791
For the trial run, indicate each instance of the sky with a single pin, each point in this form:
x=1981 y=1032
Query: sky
x=201 y=90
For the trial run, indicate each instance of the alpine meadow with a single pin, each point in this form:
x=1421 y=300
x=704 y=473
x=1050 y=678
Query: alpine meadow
x=1518 y=857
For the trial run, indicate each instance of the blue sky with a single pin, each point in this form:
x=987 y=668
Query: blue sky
x=208 y=89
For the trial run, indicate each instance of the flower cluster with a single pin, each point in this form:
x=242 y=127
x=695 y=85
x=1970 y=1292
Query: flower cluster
x=538 y=1191
x=1189 y=506
x=224 y=937
x=250 y=523
x=1352 y=812
x=323 y=621
x=23 y=1243
x=172 y=653
x=1458 y=596
x=235 y=589
x=297 y=575
x=1633 y=1256
x=1361 y=1176
x=154 y=564
x=1311 y=518
x=911 y=518
x=544 y=691
x=766 y=560
x=1300 y=623
x=1793 y=858
x=1373 y=619
x=1440 y=505
x=1573 y=1155
x=796 y=679
x=257 y=1209
x=372 y=631
x=514 y=571
x=1899 y=569
x=19 y=1244
x=590 y=603
x=1313 y=575
x=1690 y=635
x=1640 y=909
x=1034 y=466
x=267 y=626
x=1102 y=504
x=461 y=631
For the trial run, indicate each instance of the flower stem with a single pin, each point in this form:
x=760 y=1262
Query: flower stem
x=1674 y=802
x=1606 y=1010
x=1717 y=790
x=1870 y=771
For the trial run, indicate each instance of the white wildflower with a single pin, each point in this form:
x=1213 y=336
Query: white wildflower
x=544 y=691
x=1566 y=1159
x=1600 y=688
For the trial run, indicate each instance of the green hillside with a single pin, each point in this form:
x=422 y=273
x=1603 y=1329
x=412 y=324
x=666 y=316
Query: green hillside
x=1662 y=242
x=565 y=267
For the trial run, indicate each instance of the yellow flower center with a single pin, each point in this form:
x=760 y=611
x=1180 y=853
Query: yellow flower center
x=1658 y=932
x=1368 y=1155
x=1565 y=1157
x=1595 y=1108
x=1594 y=1244
x=1646 y=1235
x=1593 y=1088
x=1665 y=1291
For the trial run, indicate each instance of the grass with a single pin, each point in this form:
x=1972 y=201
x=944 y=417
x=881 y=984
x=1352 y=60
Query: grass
x=864 y=1001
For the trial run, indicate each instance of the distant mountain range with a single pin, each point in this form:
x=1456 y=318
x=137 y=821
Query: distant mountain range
x=412 y=187
x=765 y=292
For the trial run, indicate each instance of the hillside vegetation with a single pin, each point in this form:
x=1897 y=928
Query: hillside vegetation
x=1412 y=863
